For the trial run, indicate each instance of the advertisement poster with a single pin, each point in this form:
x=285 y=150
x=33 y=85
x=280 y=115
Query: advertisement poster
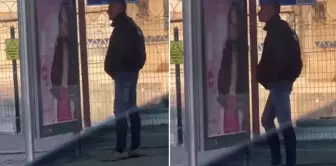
x=226 y=67
x=58 y=61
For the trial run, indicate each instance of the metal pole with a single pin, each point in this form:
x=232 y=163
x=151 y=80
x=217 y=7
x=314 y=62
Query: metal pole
x=178 y=94
x=84 y=63
x=78 y=150
x=16 y=88
x=189 y=90
x=254 y=63
x=26 y=101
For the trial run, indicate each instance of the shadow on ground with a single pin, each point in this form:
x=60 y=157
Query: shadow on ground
x=98 y=142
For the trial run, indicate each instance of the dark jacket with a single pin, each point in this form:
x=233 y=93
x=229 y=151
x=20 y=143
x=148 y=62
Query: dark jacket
x=126 y=51
x=281 y=57
x=224 y=75
x=57 y=64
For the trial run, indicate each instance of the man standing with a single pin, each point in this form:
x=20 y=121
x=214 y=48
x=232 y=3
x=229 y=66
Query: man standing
x=126 y=56
x=279 y=67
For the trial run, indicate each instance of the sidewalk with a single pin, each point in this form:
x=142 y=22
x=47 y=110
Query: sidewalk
x=15 y=144
x=154 y=141
x=154 y=157
x=309 y=153
x=179 y=155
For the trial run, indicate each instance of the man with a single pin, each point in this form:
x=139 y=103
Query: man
x=279 y=67
x=125 y=57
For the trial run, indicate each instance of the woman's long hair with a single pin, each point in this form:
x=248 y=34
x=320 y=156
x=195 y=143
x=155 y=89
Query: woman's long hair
x=67 y=6
x=232 y=45
x=233 y=10
x=64 y=16
x=66 y=13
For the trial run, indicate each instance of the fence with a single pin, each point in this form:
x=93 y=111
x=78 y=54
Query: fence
x=8 y=18
x=152 y=18
x=175 y=21
x=314 y=92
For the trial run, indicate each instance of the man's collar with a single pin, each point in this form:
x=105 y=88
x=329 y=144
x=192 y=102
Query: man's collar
x=119 y=18
x=271 y=22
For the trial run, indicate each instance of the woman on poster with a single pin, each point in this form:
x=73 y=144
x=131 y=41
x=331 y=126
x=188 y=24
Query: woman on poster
x=232 y=82
x=64 y=69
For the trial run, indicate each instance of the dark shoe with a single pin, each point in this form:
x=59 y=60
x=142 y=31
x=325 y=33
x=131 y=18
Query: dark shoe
x=276 y=163
x=114 y=156
x=290 y=145
x=134 y=153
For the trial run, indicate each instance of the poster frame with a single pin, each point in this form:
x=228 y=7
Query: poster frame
x=42 y=130
x=217 y=142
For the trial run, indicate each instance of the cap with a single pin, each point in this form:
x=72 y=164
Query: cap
x=121 y=2
x=269 y=2
x=274 y=3
x=118 y=1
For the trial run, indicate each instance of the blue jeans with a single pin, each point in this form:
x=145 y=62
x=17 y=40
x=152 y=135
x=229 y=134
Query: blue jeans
x=125 y=84
x=278 y=106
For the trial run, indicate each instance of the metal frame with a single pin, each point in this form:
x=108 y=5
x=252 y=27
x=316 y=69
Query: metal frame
x=25 y=16
x=196 y=134
x=253 y=63
x=84 y=63
x=197 y=69
x=191 y=134
x=58 y=128
x=211 y=143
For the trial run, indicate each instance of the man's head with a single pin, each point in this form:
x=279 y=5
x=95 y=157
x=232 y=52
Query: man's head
x=268 y=10
x=115 y=8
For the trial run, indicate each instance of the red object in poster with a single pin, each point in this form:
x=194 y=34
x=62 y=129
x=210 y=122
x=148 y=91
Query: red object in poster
x=211 y=79
x=231 y=116
x=63 y=106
